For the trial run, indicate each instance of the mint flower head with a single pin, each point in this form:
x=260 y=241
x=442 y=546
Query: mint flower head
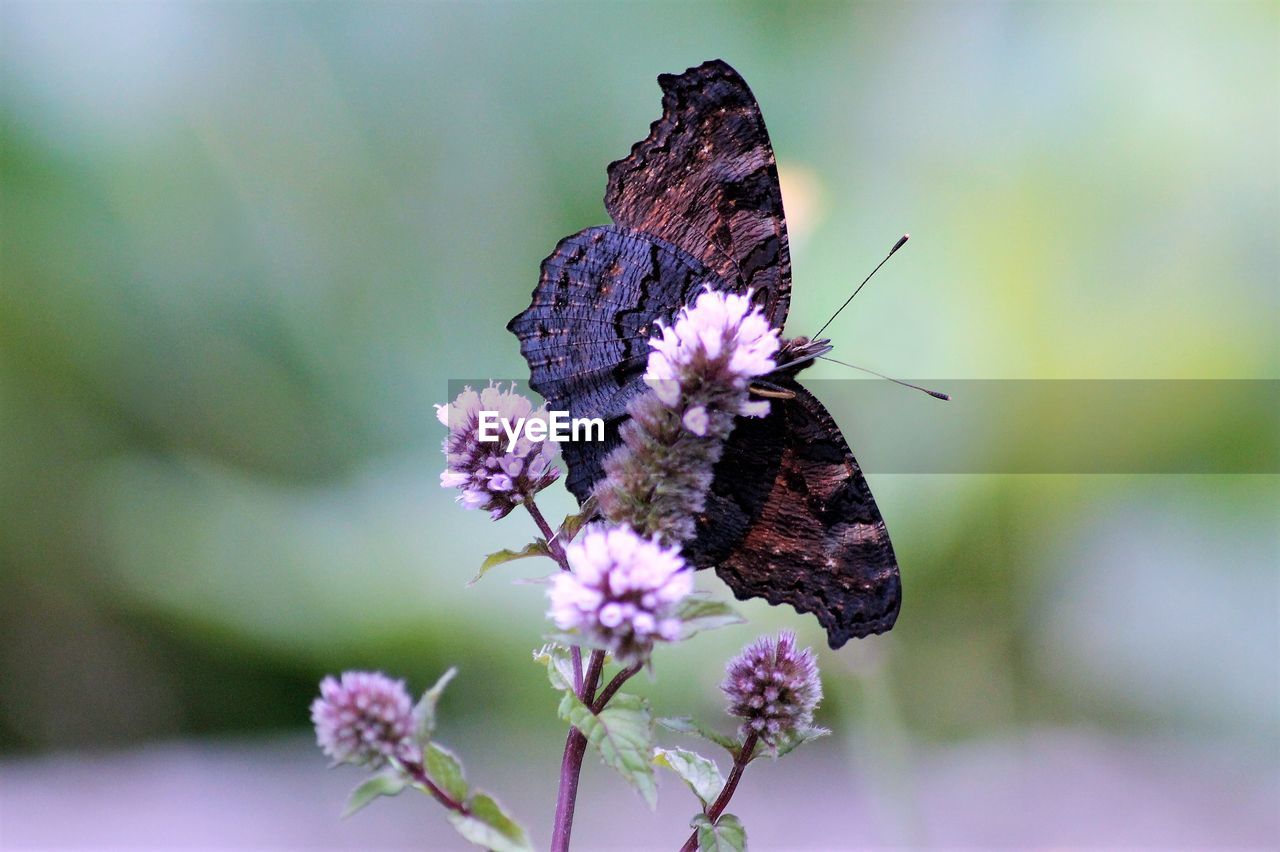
x=365 y=718
x=699 y=371
x=496 y=475
x=622 y=591
x=710 y=354
x=774 y=688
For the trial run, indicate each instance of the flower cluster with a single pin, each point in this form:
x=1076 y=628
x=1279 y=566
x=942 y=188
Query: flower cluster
x=365 y=718
x=699 y=370
x=622 y=592
x=774 y=688
x=489 y=476
x=709 y=355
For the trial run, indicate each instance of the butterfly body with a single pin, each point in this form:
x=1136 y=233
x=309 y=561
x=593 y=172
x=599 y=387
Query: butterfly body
x=789 y=517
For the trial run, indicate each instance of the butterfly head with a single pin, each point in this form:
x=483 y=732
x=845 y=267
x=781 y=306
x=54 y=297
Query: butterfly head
x=799 y=352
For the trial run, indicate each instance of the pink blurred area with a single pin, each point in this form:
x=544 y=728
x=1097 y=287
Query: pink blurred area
x=1048 y=788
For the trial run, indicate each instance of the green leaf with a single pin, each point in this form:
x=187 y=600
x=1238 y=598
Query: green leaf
x=425 y=710
x=698 y=614
x=700 y=773
x=691 y=726
x=488 y=826
x=445 y=770
x=537 y=547
x=384 y=784
x=623 y=735
x=725 y=835
x=559 y=662
x=790 y=743
x=572 y=524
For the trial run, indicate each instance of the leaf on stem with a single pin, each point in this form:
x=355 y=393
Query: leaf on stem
x=700 y=773
x=559 y=662
x=537 y=547
x=724 y=835
x=573 y=523
x=698 y=614
x=622 y=734
x=445 y=770
x=691 y=726
x=488 y=826
x=425 y=711
x=387 y=783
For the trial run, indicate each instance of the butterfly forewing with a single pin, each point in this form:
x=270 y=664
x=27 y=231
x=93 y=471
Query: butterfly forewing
x=705 y=180
x=586 y=334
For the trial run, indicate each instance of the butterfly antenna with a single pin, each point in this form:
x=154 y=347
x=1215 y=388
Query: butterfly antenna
x=935 y=394
x=902 y=241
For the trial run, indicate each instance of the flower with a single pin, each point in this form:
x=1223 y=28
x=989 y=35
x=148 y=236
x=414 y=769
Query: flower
x=622 y=591
x=718 y=344
x=365 y=718
x=696 y=420
x=699 y=371
x=774 y=688
x=489 y=475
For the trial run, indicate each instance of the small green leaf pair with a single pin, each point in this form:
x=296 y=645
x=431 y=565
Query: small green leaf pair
x=724 y=835
x=703 y=777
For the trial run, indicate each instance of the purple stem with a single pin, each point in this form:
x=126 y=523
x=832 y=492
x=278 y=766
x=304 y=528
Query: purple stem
x=575 y=747
x=722 y=801
x=557 y=553
x=614 y=685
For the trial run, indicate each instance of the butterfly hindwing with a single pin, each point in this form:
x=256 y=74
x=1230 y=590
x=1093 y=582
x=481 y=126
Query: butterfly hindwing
x=705 y=180
x=817 y=541
x=586 y=334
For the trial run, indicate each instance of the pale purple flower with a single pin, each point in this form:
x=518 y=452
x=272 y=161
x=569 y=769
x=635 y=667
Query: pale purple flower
x=700 y=370
x=490 y=475
x=622 y=591
x=773 y=687
x=365 y=718
x=721 y=340
x=696 y=420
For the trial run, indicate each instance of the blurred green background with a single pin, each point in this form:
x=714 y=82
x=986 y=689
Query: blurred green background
x=245 y=246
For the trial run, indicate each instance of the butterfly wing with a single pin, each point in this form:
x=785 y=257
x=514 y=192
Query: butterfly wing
x=586 y=333
x=704 y=179
x=801 y=527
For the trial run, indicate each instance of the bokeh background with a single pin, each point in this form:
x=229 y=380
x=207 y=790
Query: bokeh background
x=246 y=246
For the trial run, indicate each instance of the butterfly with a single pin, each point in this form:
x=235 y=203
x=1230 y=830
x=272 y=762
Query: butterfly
x=789 y=517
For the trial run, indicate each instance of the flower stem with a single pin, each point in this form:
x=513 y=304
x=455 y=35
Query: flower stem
x=614 y=685
x=575 y=748
x=553 y=545
x=557 y=553
x=722 y=801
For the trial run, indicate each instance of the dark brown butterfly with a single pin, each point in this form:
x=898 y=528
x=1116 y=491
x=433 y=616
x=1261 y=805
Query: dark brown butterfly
x=789 y=517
